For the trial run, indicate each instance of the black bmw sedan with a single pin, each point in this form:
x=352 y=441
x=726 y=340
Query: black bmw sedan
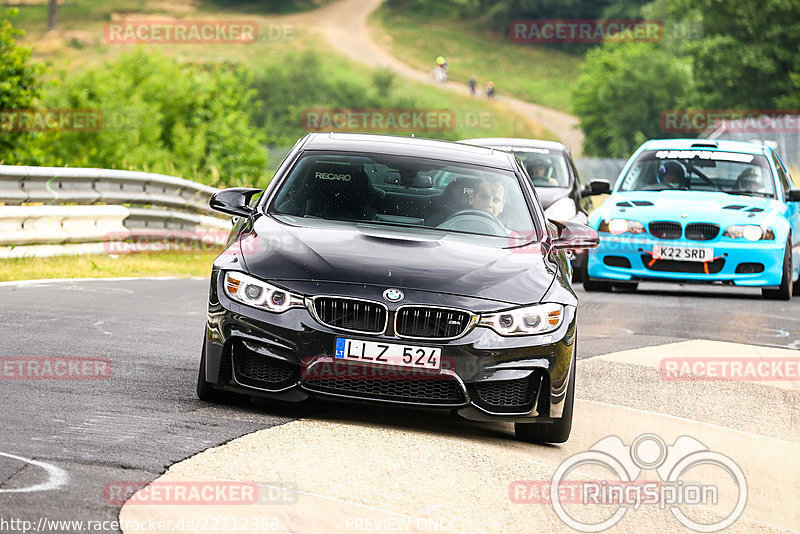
x=397 y=270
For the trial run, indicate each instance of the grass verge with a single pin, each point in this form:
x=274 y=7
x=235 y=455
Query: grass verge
x=529 y=72
x=110 y=266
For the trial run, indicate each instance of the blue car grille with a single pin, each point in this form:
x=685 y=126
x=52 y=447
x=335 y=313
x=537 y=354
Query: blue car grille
x=665 y=230
x=701 y=231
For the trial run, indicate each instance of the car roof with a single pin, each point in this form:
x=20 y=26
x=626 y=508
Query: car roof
x=515 y=142
x=409 y=146
x=705 y=144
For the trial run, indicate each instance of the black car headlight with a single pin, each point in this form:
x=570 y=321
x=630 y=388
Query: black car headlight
x=751 y=232
x=259 y=294
x=525 y=321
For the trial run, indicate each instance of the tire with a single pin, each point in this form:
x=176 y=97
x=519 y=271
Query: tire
x=784 y=292
x=207 y=392
x=557 y=431
x=588 y=283
x=626 y=286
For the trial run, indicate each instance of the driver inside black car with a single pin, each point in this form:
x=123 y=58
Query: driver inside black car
x=489 y=196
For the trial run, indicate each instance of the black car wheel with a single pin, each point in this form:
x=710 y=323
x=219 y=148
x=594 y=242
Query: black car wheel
x=206 y=392
x=592 y=285
x=784 y=292
x=626 y=286
x=558 y=431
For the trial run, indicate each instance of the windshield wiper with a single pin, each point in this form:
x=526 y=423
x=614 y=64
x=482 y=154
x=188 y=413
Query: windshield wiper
x=748 y=193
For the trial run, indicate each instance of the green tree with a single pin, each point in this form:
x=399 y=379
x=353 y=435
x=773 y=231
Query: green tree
x=621 y=94
x=747 y=53
x=19 y=84
x=160 y=115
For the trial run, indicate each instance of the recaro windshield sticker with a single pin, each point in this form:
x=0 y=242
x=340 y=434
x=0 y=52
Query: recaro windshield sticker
x=704 y=154
x=332 y=176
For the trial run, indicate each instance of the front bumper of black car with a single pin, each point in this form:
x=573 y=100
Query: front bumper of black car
x=289 y=356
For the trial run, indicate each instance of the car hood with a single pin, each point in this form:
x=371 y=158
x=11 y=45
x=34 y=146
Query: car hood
x=687 y=207
x=441 y=262
x=548 y=195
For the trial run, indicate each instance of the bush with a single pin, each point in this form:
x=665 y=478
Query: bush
x=160 y=116
x=19 y=86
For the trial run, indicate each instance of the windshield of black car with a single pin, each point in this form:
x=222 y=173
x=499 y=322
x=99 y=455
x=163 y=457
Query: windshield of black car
x=406 y=192
x=700 y=170
x=547 y=168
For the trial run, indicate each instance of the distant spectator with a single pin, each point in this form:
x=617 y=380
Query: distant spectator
x=473 y=83
x=490 y=90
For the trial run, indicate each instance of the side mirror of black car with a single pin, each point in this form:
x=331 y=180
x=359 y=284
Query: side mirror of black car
x=794 y=194
x=574 y=236
x=234 y=201
x=596 y=187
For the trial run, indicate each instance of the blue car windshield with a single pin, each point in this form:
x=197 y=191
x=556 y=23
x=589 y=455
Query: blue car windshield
x=700 y=170
x=405 y=191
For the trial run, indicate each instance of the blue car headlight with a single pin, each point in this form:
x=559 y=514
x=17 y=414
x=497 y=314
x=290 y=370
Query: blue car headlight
x=258 y=294
x=751 y=232
x=621 y=226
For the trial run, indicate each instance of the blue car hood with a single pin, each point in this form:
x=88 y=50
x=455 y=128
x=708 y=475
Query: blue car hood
x=688 y=206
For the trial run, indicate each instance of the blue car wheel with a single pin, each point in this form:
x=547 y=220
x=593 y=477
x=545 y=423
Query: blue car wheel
x=786 y=289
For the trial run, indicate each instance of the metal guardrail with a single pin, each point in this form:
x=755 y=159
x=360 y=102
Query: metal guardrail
x=60 y=185
x=47 y=211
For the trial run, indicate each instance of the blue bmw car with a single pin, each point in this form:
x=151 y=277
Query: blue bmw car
x=697 y=210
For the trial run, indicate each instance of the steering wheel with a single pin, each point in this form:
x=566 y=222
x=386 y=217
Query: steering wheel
x=703 y=177
x=477 y=221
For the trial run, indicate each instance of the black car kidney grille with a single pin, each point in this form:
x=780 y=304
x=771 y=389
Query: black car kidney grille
x=253 y=369
x=665 y=230
x=701 y=231
x=351 y=314
x=435 y=390
x=505 y=396
x=423 y=322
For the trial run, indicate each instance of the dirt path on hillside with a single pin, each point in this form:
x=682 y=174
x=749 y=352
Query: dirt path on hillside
x=344 y=25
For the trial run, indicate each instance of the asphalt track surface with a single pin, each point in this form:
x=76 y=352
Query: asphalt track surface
x=63 y=442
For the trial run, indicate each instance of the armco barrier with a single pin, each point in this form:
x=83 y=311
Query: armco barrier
x=57 y=185
x=46 y=211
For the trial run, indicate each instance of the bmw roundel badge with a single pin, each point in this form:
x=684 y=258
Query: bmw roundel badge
x=393 y=295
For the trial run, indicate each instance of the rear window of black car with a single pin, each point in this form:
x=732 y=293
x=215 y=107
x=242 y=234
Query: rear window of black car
x=406 y=191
